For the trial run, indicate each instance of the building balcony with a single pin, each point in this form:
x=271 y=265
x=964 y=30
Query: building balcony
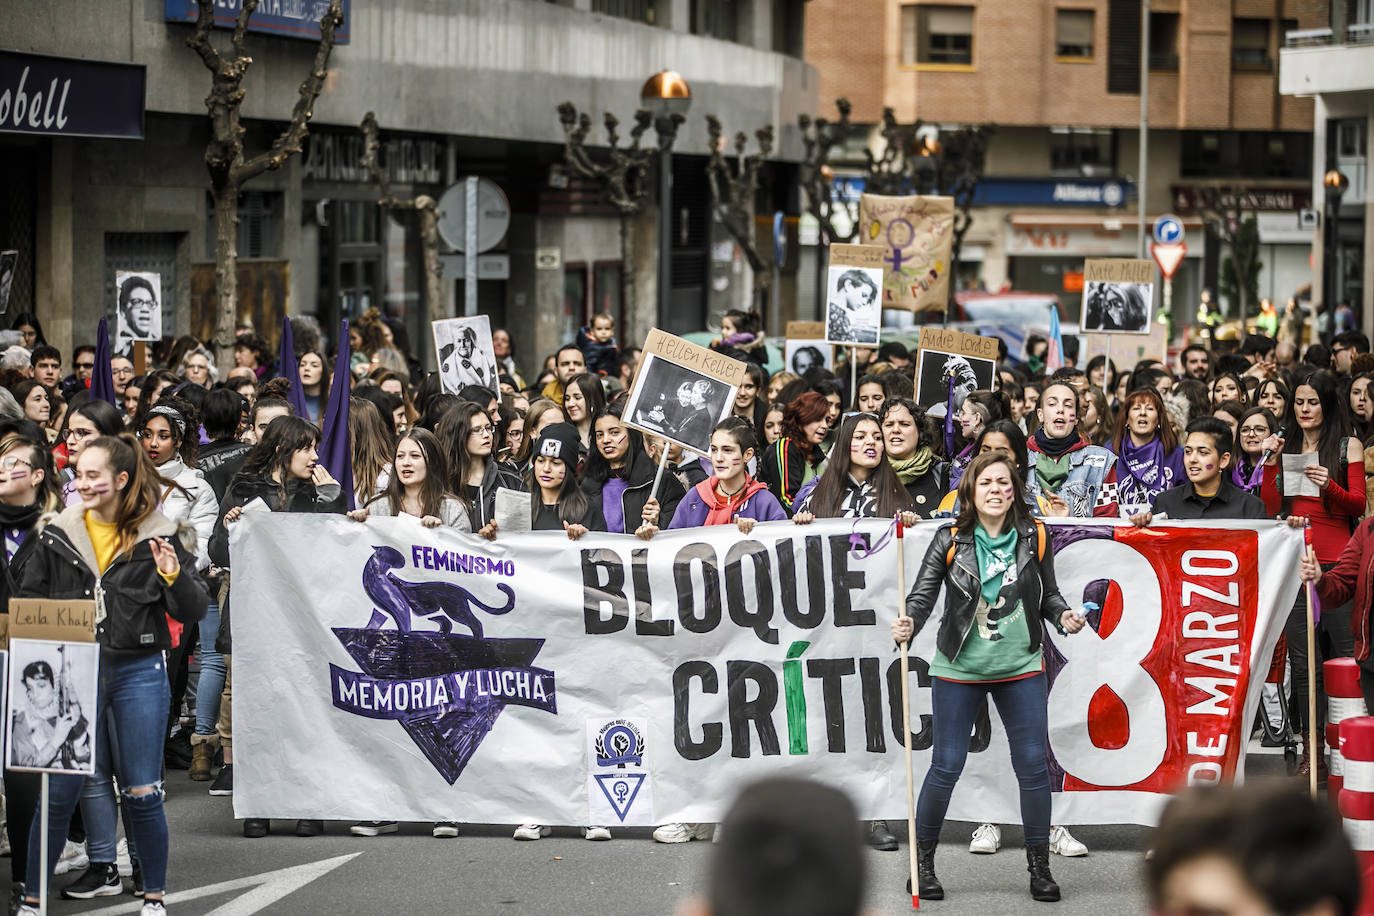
x=1316 y=61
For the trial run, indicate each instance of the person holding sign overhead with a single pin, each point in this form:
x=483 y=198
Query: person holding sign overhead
x=117 y=549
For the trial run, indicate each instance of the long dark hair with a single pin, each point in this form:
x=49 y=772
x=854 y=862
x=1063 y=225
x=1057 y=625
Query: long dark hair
x=1335 y=421
x=1269 y=419
x=453 y=432
x=1014 y=436
x=573 y=503
x=435 y=487
x=968 y=513
x=826 y=498
x=186 y=437
x=281 y=440
x=592 y=393
x=596 y=469
x=139 y=499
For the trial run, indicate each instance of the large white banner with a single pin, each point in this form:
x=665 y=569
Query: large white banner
x=387 y=671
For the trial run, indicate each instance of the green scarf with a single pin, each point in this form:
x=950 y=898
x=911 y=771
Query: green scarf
x=910 y=469
x=995 y=556
x=1052 y=471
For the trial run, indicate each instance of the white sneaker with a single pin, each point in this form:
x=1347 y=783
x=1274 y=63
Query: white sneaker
x=532 y=831
x=683 y=833
x=987 y=839
x=1062 y=843
x=444 y=830
x=374 y=828
x=73 y=858
x=153 y=908
x=122 y=862
x=596 y=833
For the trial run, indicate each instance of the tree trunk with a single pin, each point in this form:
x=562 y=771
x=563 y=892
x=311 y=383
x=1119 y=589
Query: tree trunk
x=226 y=274
x=429 y=245
x=627 y=267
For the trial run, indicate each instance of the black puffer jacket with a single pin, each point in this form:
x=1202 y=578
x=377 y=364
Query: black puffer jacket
x=639 y=483
x=301 y=496
x=1039 y=589
x=137 y=599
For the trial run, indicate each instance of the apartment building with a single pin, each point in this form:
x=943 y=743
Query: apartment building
x=1061 y=81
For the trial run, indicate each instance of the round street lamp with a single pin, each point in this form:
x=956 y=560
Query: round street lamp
x=667 y=97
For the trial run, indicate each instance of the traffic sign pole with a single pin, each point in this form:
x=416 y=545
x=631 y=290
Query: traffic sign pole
x=470 y=233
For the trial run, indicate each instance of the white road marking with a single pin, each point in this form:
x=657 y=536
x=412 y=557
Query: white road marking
x=267 y=889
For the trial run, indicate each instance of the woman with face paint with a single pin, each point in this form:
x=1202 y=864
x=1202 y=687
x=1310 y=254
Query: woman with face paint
x=27 y=490
x=1336 y=470
x=619 y=477
x=117 y=548
x=796 y=457
x=973 y=416
x=1149 y=458
x=282 y=470
x=1000 y=594
x=85 y=424
x=730 y=494
x=1065 y=468
x=904 y=439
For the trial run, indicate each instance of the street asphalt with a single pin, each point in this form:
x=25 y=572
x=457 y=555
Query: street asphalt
x=214 y=870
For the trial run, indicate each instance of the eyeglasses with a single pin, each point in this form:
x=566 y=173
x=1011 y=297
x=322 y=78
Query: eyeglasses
x=76 y=433
x=121 y=372
x=141 y=302
x=8 y=463
x=482 y=430
x=85 y=365
x=1254 y=430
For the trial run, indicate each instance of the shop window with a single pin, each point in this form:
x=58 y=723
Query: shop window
x=937 y=34
x=1073 y=34
x=637 y=10
x=1250 y=46
x=716 y=19
x=1082 y=151
x=1164 y=41
x=260 y=229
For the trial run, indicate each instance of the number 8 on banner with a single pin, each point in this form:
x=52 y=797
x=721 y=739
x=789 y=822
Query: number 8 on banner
x=1095 y=662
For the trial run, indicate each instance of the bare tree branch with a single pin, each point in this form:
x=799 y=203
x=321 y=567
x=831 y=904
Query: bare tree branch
x=732 y=197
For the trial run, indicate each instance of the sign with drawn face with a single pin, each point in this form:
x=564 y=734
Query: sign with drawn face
x=1118 y=295
x=681 y=391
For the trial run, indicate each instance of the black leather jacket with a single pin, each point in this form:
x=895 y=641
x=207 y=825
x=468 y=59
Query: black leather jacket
x=1039 y=590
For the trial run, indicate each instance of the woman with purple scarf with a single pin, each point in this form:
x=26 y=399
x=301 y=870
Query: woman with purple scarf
x=1254 y=426
x=1149 y=459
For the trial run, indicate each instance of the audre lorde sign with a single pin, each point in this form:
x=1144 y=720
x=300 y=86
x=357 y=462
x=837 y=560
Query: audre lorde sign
x=398 y=672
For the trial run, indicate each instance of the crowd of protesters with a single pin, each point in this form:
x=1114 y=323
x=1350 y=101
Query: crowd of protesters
x=143 y=488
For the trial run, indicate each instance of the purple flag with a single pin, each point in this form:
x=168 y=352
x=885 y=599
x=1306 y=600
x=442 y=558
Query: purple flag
x=102 y=379
x=335 y=454
x=286 y=368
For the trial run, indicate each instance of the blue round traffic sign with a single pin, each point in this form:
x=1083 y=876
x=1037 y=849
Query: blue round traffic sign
x=1168 y=230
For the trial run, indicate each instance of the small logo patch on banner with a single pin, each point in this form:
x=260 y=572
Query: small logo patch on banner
x=620 y=772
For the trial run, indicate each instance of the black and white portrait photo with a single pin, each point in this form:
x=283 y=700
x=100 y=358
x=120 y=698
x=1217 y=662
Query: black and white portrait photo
x=934 y=369
x=9 y=260
x=677 y=403
x=801 y=355
x=138 y=310
x=1121 y=307
x=855 y=310
x=465 y=352
x=52 y=691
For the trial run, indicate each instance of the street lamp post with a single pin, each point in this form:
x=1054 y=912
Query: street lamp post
x=1335 y=183
x=667 y=97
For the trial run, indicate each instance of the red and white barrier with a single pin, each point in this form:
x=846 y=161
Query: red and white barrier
x=1357 y=799
x=1344 y=700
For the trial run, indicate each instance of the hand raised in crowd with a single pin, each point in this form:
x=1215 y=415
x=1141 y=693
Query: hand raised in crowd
x=902 y=628
x=646 y=531
x=358 y=515
x=745 y=525
x=650 y=513
x=1309 y=570
x=1142 y=519
x=803 y=518
x=488 y=531
x=1057 y=508
x=165 y=556
x=574 y=531
x=319 y=476
x=1071 y=622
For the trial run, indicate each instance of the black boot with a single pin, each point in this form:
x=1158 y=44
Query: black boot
x=879 y=837
x=1042 y=886
x=929 y=885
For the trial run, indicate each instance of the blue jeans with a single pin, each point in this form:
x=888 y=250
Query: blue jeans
x=130 y=725
x=1023 y=706
x=211 y=683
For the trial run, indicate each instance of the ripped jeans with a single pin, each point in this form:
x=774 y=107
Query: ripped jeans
x=130 y=721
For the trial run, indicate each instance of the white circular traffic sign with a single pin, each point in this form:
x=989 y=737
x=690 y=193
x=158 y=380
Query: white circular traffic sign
x=493 y=215
x=1169 y=230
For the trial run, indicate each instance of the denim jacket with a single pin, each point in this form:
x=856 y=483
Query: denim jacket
x=1090 y=488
